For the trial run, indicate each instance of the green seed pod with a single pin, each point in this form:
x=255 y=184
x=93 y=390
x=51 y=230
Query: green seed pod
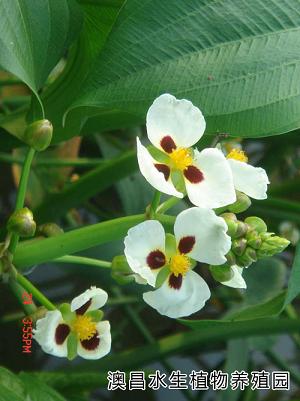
x=253 y=239
x=38 y=135
x=221 y=273
x=242 y=203
x=120 y=270
x=50 y=230
x=238 y=246
x=21 y=223
x=256 y=223
x=272 y=245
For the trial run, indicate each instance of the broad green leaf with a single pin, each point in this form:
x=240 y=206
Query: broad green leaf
x=29 y=253
x=38 y=390
x=34 y=35
x=11 y=382
x=9 y=395
x=238 y=61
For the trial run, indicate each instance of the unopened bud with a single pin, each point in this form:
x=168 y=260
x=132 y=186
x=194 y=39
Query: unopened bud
x=253 y=239
x=242 y=203
x=221 y=273
x=38 y=135
x=50 y=230
x=231 y=221
x=120 y=270
x=256 y=223
x=272 y=245
x=238 y=246
x=21 y=223
x=249 y=256
x=231 y=259
x=242 y=229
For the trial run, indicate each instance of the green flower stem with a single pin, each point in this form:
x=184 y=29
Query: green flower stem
x=168 y=204
x=154 y=204
x=30 y=253
x=278 y=361
x=81 y=260
x=53 y=162
x=36 y=294
x=18 y=291
x=22 y=192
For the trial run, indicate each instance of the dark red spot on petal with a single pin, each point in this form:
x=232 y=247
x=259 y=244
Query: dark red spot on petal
x=156 y=259
x=175 y=282
x=162 y=168
x=186 y=244
x=193 y=174
x=168 y=144
x=92 y=343
x=84 y=308
x=61 y=333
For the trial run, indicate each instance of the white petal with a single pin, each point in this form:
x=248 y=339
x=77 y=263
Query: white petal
x=179 y=119
x=104 y=346
x=216 y=189
x=211 y=241
x=97 y=296
x=237 y=280
x=152 y=175
x=44 y=334
x=190 y=298
x=139 y=242
x=253 y=181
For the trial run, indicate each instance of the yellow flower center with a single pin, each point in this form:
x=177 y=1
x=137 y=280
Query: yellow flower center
x=84 y=327
x=179 y=264
x=237 y=154
x=181 y=158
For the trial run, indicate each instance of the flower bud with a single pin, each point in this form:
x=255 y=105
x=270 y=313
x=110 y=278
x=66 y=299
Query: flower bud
x=238 y=246
x=256 y=223
x=221 y=273
x=21 y=223
x=50 y=230
x=38 y=135
x=253 y=239
x=242 y=229
x=272 y=245
x=231 y=259
x=120 y=270
x=231 y=221
x=249 y=256
x=241 y=204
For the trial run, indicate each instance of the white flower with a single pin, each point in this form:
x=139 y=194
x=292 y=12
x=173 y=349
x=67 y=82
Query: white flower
x=237 y=280
x=80 y=323
x=199 y=236
x=253 y=181
x=173 y=126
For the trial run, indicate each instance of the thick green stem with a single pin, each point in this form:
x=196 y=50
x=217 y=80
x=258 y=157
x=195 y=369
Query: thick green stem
x=168 y=204
x=81 y=260
x=22 y=192
x=18 y=291
x=31 y=289
x=154 y=204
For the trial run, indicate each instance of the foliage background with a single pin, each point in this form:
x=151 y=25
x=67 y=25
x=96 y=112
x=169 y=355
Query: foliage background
x=94 y=67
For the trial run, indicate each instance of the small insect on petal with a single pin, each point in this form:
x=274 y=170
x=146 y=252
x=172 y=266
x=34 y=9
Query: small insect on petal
x=156 y=259
x=193 y=174
x=61 y=333
x=167 y=144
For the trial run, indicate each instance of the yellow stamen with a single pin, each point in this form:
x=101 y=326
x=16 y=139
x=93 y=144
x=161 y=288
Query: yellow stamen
x=237 y=154
x=84 y=327
x=179 y=264
x=181 y=158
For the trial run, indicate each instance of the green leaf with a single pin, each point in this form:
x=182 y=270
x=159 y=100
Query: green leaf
x=29 y=253
x=294 y=287
x=34 y=35
x=9 y=381
x=72 y=343
x=239 y=64
x=9 y=395
x=38 y=390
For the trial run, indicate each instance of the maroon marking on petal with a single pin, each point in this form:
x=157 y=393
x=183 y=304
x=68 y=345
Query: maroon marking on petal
x=186 y=244
x=156 y=259
x=193 y=174
x=168 y=144
x=175 y=282
x=61 y=333
x=83 y=308
x=92 y=343
x=163 y=168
